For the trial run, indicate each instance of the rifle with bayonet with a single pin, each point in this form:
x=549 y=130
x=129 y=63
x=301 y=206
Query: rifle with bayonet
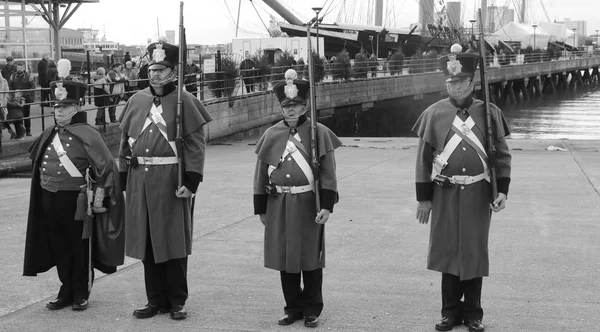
x=485 y=95
x=180 y=86
x=313 y=134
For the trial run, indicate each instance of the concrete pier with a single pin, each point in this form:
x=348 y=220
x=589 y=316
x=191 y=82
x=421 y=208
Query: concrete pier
x=544 y=272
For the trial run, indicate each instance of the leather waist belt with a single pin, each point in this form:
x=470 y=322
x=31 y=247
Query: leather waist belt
x=157 y=160
x=294 y=189
x=466 y=179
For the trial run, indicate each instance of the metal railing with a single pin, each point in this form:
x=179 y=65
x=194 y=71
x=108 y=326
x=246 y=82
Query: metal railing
x=216 y=87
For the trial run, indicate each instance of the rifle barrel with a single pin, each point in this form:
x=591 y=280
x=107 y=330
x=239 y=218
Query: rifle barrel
x=178 y=116
x=485 y=95
x=313 y=120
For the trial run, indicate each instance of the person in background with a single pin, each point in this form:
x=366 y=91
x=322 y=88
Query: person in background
x=453 y=185
x=9 y=68
x=15 y=107
x=4 y=96
x=101 y=95
x=143 y=75
x=43 y=79
x=131 y=74
x=117 y=88
x=192 y=76
x=52 y=71
x=21 y=80
x=127 y=57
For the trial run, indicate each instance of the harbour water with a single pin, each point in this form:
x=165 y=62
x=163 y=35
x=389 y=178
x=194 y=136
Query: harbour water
x=573 y=114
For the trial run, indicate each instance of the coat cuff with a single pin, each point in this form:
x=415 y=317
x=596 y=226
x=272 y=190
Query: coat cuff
x=503 y=184
x=123 y=180
x=424 y=191
x=260 y=203
x=328 y=199
x=191 y=180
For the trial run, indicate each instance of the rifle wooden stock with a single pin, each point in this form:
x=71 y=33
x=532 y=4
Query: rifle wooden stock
x=178 y=116
x=485 y=95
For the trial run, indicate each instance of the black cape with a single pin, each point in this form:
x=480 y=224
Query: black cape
x=108 y=228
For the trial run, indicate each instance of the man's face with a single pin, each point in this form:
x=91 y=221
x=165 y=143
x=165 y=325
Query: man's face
x=293 y=110
x=20 y=69
x=158 y=73
x=461 y=88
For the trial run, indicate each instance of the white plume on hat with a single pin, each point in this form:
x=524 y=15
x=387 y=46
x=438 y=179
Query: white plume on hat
x=456 y=48
x=63 y=66
x=291 y=74
x=163 y=39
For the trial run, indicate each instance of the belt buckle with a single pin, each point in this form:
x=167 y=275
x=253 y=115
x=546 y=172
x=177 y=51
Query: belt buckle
x=459 y=179
x=286 y=189
x=147 y=160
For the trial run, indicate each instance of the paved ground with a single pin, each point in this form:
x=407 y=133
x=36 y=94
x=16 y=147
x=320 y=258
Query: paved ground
x=545 y=274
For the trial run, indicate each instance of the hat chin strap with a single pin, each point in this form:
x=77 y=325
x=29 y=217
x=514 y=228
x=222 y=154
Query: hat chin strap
x=168 y=79
x=63 y=119
x=457 y=92
x=292 y=120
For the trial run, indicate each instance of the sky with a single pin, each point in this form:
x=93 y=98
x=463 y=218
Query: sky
x=133 y=22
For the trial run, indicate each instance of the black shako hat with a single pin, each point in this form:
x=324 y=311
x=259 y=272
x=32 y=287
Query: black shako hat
x=292 y=92
x=457 y=65
x=162 y=53
x=67 y=92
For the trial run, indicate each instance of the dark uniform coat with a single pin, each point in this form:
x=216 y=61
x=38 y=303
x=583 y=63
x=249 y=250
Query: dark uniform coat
x=460 y=217
x=293 y=240
x=108 y=230
x=150 y=190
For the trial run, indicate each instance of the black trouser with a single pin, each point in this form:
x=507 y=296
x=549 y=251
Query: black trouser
x=307 y=301
x=101 y=114
x=26 y=114
x=45 y=96
x=112 y=110
x=67 y=249
x=19 y=129
x=166 y=282
x=453 y=289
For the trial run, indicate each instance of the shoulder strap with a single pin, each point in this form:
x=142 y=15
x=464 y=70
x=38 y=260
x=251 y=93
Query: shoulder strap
x=64 y=158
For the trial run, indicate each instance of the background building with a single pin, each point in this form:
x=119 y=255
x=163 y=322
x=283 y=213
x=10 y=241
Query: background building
x=24 y=34
x=499 y=16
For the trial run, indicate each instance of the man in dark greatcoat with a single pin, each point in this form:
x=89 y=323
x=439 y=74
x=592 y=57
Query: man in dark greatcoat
x=159 y=213
x=74 y=193
x=453 y=185
x=43 y=77
x=284 y=198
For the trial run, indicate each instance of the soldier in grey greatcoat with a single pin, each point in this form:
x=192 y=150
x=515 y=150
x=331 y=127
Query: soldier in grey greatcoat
x=453 y=185
x=284 y=198
x=159 y=213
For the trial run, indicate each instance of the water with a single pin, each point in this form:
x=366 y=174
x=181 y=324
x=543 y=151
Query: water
x=570 y=115
x=573 y=114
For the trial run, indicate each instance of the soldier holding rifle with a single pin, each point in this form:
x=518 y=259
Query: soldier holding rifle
x=284 y=198
x=454 y=184
x=159 y=210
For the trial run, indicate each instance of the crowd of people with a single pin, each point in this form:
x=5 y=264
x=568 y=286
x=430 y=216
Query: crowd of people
x=110 y=86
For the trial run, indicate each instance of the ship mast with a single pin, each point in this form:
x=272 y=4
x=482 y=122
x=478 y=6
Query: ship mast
x=378 y=12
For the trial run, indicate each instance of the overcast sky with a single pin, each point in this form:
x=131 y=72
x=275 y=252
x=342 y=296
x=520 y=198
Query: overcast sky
x=213 y=21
